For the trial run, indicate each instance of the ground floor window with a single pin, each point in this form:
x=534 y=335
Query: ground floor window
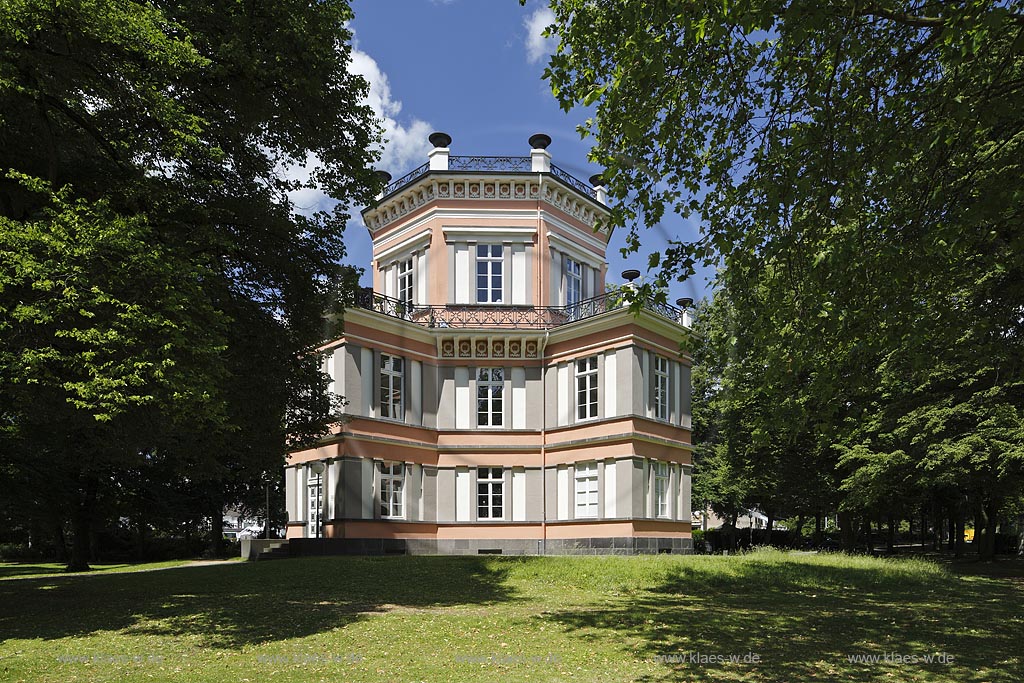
x=392 y=489
x=586 y=489
x=661 y=490
x=490 y=488
x=315 y=493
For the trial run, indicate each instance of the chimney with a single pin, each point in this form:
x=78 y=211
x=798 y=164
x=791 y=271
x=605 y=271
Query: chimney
x=684 y=303
x=439 y=155
x=600 y=194
x=541 y=158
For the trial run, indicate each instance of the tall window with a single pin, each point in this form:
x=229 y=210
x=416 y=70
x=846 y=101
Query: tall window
x=586 y=489
x=573 y=281
x=489 y=285
x=489 y=485
x=661 y=489
x=490 y=385
x=661 y=387
x=586 y=388
x=405 y=284
x=392 y=489
x=315 y=502
x=392 y=369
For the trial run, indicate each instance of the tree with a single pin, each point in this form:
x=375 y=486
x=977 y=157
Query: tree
x=174 y=127
x=862 y=161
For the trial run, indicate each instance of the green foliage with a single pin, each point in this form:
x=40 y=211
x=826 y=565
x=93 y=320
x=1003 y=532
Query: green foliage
x=856 y=173
x=164 y=298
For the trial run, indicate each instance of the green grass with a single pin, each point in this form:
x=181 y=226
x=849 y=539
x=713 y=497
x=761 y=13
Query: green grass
x=17 y=570
x=541 y=619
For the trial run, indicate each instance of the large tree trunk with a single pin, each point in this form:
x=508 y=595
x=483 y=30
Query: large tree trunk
x=817 y=528
x=848 y=530
x=768 y=527
x=958 y=543
x=952 y=528
x=987 y=550
x=215 y=548
x=60 y=543
x=890 y=540
x=81 y=527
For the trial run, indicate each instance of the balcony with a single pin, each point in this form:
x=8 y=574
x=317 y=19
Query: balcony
x=502 y=316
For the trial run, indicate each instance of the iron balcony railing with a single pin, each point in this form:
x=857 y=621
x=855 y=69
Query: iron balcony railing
x=507 y=316
x=489 y=164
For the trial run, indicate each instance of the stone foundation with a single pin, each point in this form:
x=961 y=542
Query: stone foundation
x=571 y=546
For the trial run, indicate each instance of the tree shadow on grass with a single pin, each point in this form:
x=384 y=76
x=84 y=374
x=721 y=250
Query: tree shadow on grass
x=238 y=604
x=804 y=621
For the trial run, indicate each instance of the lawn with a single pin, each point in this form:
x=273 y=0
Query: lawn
x=791 y=617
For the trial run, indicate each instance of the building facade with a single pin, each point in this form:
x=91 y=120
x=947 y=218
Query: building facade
x=499 y=400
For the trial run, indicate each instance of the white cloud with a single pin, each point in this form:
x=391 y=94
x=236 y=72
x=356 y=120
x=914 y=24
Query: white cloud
x=406 y=143
x=405 y=146
x=537 y=46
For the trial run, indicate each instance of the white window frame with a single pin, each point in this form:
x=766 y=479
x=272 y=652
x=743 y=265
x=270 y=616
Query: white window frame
x=573 y=273
x=494 y=267
x=588 y=397
x=392 y=378
x=490 y=493
x=405 y=284
x=586 y=490
x=661 y=489
x=392 y=489
x=490 y=395
x=662 y=387
x=314 y=504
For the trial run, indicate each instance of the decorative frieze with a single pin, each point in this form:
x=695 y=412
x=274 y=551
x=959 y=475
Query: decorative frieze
x=489 y=347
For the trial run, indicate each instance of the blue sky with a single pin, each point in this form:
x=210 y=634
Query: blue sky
x=472 y=68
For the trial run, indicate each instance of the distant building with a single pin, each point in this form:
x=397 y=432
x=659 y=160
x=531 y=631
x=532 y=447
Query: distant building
x=499 y=400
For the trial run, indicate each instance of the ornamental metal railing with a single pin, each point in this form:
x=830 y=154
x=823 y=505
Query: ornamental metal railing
x=407 y=178
x=502 y=316
x=489 y=164
x=505 y=164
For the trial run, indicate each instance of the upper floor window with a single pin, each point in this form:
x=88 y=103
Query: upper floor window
x=490 y=387
x=661 y=489
x=661 y=384
x=586 y=489
x=489 y=489
x=489 y=278
x=392 y=489
x=573 y=271
x=586 y=388
x=405 y=282
x=392 y=372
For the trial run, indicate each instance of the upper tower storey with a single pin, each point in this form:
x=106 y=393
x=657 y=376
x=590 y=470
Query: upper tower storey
x=488 y=233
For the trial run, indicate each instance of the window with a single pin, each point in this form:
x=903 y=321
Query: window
x=490 y=385
x=573 y=271
x=405 y=285
x=489 y=285
x=391 y=375
x=392 y=489
x=661 y=489
x=660 y=388
x=315 y=502
x=586 y=490
x=586 y=388
x=489 y=485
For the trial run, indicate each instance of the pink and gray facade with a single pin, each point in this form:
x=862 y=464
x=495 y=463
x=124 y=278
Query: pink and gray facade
x=499 y=400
